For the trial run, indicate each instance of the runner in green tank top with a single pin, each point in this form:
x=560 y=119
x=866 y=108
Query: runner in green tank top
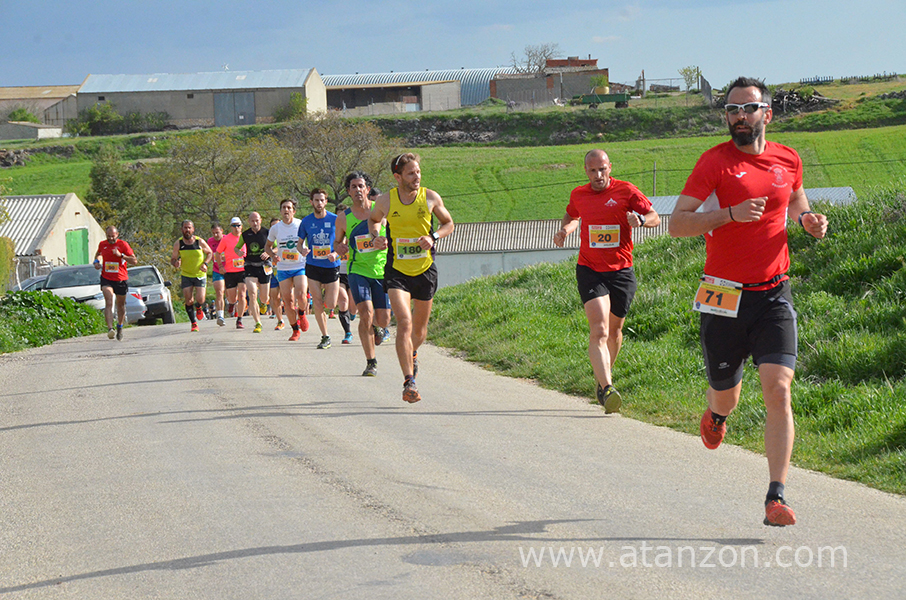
x=410 y=274
x=365 y=267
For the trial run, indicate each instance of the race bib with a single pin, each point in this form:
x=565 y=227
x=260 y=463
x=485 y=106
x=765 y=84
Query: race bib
x=290 y=255
x=321 y=251
x=604 y=236
x=268 y=270
x=718 y=297
x=409 y=249
x=238 y=263
x=111 y=267
x=364 y=243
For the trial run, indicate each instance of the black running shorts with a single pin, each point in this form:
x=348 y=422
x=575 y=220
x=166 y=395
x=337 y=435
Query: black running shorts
x=764 y=329
x=619 y=285
x=420 y=287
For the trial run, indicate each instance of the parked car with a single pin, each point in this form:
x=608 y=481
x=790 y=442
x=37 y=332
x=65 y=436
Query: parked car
x=32 y=283
x=147 y=281
x=82 y=283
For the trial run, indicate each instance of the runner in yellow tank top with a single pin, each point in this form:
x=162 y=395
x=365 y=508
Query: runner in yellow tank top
x=410 y=274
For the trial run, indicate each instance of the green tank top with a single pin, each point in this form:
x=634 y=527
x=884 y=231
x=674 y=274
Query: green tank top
x=192 y=258
x=364 y=259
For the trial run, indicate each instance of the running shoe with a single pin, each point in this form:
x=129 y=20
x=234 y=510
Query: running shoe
x=778 y=514
x=347 y=339
x=280 y=325
x=386 y=333
x=414 y=364
x=239 y=324
x=220 y=321
x=199 y=314
x=111 y=333
x=295 y=336
x=370 y=370
x=378 y=335
x=257 y=328
x=303 y=323
x=325 y=342
x=194 y=326
x=410 y=392
x=119 y=334
x=610 y=399
x=351 y=318
x=712 y=433
x=331 y=315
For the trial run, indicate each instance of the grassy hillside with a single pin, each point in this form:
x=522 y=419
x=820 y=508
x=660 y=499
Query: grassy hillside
x=499 y=184
x=851 y=379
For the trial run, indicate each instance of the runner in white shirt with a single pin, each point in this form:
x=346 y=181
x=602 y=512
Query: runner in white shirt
x=283 y=243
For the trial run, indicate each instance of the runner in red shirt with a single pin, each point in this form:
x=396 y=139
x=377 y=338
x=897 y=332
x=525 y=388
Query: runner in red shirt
x=739 y=197
x=608 y=210
x=111 y=259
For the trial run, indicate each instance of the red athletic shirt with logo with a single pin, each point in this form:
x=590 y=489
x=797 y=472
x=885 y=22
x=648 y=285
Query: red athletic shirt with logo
x=725 y=176
x=605 y=233
x=113 y=268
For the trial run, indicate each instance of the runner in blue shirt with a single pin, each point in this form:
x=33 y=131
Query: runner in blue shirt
x=322 y=264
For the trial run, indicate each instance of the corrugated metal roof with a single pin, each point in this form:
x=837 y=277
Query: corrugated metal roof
x=30 y=220
x=520 y=236
x=475 y=83
x=219 y=80
x=38 y=92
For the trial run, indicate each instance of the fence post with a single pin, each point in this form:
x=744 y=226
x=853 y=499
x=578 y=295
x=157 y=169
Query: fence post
x=654 y=181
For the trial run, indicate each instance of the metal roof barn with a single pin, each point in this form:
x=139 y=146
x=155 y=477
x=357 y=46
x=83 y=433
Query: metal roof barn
x=475 y=83
x=218 y=80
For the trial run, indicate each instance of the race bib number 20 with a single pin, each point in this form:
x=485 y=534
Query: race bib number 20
x=604 y=236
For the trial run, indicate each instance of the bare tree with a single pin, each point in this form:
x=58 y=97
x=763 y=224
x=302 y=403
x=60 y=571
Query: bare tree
x=534 y=58
x=325 y=149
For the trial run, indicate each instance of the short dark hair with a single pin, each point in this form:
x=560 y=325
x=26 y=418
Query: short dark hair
x=374 y=192
x=312 y=193
x=357 y=175
x=290 y=200
x=744 y=82
x=399 y=163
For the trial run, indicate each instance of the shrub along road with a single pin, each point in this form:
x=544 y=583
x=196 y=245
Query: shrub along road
x=224 y=464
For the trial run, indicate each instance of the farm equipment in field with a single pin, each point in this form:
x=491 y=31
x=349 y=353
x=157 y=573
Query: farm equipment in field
x=593 y=100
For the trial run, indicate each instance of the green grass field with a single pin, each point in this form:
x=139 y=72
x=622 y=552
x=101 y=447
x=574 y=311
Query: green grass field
x=501 y=184
x=849 y=290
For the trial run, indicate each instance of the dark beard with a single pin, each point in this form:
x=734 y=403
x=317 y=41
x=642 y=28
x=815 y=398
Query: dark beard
x=746 y=138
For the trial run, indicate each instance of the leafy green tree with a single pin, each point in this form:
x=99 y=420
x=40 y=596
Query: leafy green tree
x=325 y=149
x=22 y=114
x=690 y=76
x=296 y=109
x=212 y=176
x=119 y=195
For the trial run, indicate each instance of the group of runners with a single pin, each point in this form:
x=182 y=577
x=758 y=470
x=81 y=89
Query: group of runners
x=384 y=241
x=740 y=196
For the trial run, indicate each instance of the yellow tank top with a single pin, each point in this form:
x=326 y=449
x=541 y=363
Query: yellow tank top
x=405 y=224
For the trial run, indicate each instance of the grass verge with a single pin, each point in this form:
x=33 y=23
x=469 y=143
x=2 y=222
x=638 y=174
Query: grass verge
x=32 y=319
x=849 y=290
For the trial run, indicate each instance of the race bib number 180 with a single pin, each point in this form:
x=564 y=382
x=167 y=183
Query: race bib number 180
x=604 y=236
x=718 y=297
x=409 y=249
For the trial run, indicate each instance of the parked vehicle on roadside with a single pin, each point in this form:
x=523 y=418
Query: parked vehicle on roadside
x=82 y=283
x=31 y=284
x=147 y=281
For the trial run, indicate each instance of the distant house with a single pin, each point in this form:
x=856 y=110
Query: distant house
x=49 y=231
x=53 y=104
x=19 y=130
x=560 y=80
x=218 y=99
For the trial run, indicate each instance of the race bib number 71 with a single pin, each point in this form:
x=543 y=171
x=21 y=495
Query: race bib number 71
x=718 y=297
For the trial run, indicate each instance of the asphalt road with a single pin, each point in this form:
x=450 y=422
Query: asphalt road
x=225 y=464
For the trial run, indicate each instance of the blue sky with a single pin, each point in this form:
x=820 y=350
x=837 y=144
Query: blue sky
x=61 y=42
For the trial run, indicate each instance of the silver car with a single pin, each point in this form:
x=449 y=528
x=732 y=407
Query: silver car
x=147 y=281
x=82 y=283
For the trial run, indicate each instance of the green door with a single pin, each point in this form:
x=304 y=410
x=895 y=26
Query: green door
x=77 y=247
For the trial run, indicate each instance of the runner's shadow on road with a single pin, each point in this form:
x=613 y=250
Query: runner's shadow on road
x=522 y=531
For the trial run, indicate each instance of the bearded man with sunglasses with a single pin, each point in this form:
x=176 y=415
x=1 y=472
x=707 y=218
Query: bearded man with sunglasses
x=740 y=196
